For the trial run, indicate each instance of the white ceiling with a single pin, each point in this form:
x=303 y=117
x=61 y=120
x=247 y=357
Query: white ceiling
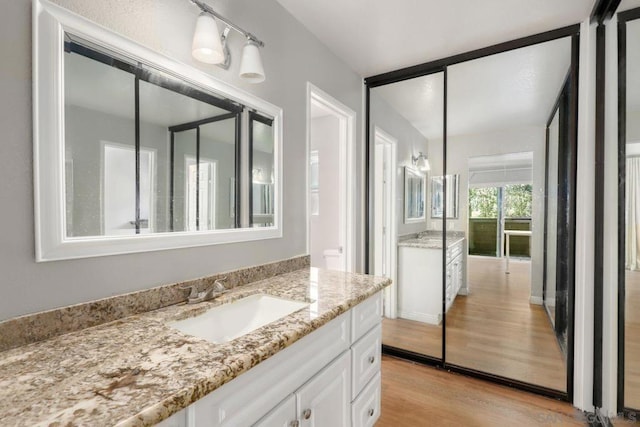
x=375 y=36
x=506 y=90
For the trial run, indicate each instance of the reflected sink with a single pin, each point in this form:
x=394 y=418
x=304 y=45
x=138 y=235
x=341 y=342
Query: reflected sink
x=230 y=321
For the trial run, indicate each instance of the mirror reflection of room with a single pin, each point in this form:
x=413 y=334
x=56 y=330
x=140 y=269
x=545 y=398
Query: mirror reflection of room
x=407 y=119
x=505 y=145
x=504 y=302
x=148 y=153
x=632 y=219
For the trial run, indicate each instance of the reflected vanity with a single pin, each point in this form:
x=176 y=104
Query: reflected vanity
x=145 y=153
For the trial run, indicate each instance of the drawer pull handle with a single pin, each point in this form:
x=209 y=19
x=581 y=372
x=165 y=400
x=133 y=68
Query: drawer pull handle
x=306 y=414
x=372 y=359
x=371 y=412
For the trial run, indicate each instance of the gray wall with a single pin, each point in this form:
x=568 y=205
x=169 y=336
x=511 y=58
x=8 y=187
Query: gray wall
x=292 y=57
x=410 y=142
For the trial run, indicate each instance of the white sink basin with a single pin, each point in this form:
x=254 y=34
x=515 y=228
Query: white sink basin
x=229 y=321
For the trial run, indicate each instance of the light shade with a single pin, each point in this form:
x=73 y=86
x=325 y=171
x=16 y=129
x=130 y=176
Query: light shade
x=251 y=64
x=422 y=162
x=207 y=46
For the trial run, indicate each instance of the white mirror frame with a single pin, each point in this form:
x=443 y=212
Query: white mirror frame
x=50 y=23
x=418 y=174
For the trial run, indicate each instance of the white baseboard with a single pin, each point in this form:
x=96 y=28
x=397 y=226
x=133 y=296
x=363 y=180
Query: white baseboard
x=535 y=300
x=463 y=291
x=432 y=319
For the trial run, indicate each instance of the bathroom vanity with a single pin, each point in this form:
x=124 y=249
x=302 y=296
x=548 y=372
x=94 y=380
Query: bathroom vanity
x=420 y=276
x=317 y=365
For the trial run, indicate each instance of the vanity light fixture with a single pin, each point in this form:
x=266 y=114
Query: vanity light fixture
x=421 y=162
x=211 y=48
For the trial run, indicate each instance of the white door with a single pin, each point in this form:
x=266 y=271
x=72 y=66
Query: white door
x=331 y=138
x=119 y=190
x=384 y=221
x=204 y=216
x=325 y=400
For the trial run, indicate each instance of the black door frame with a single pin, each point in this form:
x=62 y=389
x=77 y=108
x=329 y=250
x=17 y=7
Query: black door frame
x=441 y=65
x=563 y=107
x=623 y=18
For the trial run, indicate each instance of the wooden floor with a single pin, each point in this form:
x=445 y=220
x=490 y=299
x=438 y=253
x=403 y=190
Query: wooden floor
x=416 y=395
x=632 y=340
x=495 y=329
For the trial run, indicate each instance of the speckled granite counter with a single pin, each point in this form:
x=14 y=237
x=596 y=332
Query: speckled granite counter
x=138 y=371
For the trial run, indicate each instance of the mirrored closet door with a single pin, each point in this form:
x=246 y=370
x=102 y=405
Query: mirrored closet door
x=407 y=136
x=629 y=207
x=508 y=143
x=472 y=211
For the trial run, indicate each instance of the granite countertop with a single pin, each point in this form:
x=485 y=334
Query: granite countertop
x=138 y=371
x=430 y=242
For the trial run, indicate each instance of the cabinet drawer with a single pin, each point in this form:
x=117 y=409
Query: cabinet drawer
x=365 y=316
x=365 y=356
x=365 y=410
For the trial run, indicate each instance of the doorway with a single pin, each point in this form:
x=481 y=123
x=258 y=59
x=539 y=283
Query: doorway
x=119 y=190
x=330 y=171
x=385 y=233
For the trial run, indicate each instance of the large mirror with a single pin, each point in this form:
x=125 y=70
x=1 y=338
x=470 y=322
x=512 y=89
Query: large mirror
x=144 y=153
x=414 y=195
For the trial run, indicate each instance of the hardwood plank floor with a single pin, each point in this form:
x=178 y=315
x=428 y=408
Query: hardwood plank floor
x=494 y=329
x=632 y=340
x=417 y=395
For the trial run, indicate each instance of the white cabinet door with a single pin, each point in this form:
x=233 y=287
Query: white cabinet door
x=325 y=400
x=283 y=415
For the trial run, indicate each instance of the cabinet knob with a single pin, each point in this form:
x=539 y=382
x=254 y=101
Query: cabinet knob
x=372 y=359
x=371 y=412
x=306 y=414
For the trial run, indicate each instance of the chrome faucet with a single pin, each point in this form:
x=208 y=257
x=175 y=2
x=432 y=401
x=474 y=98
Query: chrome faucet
x=216 y=290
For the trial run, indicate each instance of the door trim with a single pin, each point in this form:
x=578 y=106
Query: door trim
x=391 y=292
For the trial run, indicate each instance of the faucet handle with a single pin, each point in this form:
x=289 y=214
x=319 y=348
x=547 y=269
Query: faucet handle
x=194 y=290
x=219 y=285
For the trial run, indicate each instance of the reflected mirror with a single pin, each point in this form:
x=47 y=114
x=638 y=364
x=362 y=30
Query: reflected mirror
x=145 y=146
x=414 y=195
x=438 y=184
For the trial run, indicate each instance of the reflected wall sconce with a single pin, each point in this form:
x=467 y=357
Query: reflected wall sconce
x=210 y=47
x=421 y=162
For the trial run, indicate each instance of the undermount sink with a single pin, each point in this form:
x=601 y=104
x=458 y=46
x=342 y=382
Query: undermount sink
x=229 y=321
